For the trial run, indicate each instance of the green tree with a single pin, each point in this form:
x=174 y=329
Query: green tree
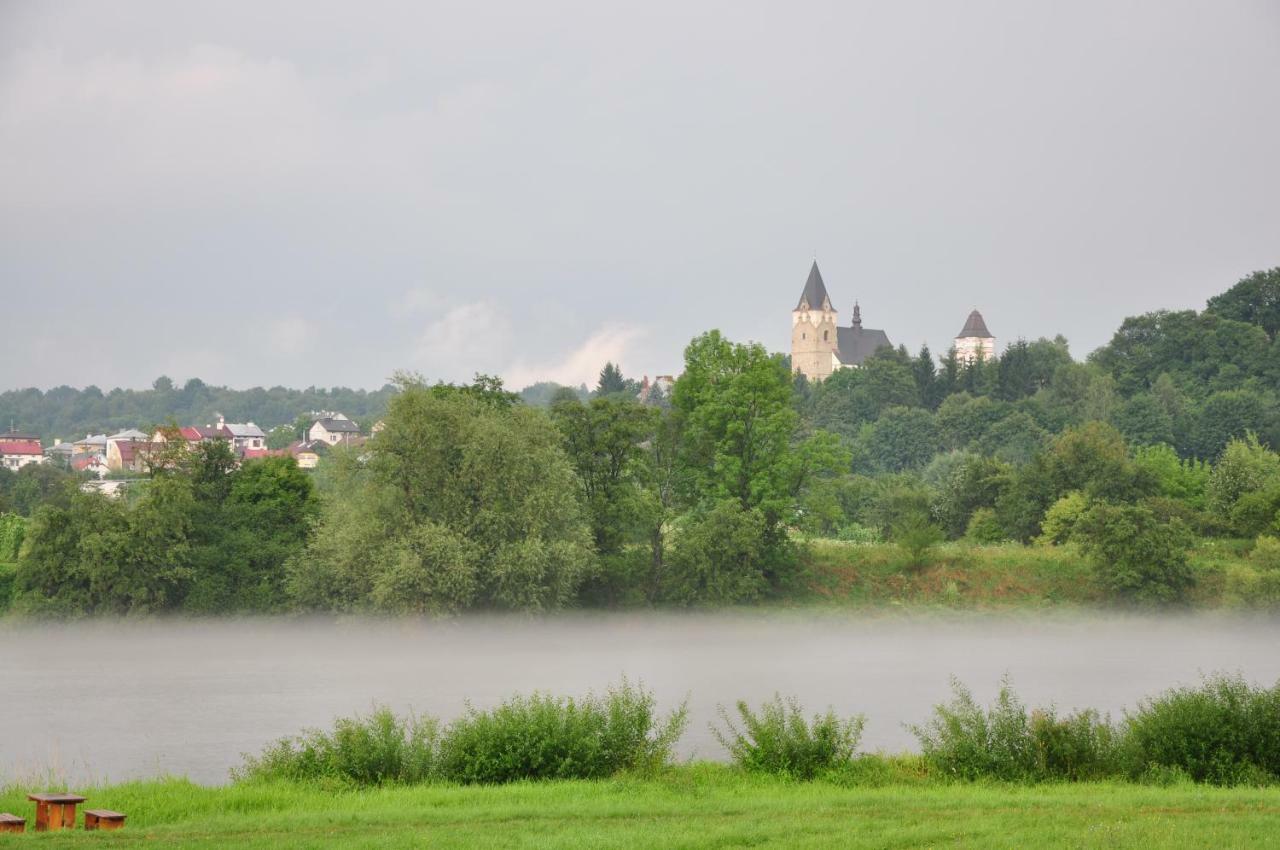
x=903 y=438
x=465 y=501
x=603 y=441
x=611 y=381
x=1145 y=421
x=1136 y=557
x=1255 y=300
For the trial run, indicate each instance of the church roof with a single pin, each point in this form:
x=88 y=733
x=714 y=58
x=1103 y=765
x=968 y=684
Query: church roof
x=975 y=327
x=815 y=291
x=857 y=344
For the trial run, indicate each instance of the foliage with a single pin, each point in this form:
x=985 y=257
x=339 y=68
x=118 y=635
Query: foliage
x=965 y=741
x=1185 y=480
x=12 y=530
x=381 y=749
x=1062 y=518
x=465 y=501
x=720 y=557
x=779 y=740
x=1224 y=731
x=916 y=534
x=1255 y=300
x=70 y=413
x=984 y=527
x=545 y=737
x=1136 y=557
x=1246 y=466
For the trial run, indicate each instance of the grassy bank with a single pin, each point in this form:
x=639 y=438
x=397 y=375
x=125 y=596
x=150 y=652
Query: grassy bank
x=961 y=575
x=693 y=807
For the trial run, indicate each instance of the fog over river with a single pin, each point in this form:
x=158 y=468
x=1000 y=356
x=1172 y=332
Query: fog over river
x=111 y=701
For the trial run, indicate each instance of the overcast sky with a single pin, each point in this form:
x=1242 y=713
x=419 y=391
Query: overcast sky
x=321 y=193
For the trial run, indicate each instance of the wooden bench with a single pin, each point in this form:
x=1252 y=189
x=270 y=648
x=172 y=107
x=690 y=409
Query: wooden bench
x=55 y=811
x=12 y=823
x=103 y=819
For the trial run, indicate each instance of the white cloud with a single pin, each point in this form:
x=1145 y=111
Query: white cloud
x=583 y=364
x=468 y=338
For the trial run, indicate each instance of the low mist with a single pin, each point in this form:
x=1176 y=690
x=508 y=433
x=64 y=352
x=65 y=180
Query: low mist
x=112 y=701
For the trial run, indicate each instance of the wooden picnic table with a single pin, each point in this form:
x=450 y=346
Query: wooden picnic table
x=55 y=811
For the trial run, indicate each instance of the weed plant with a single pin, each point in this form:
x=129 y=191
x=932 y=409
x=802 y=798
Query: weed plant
x=380 y=749
x=779 y=740
x=546 y=737
x=1224 y=732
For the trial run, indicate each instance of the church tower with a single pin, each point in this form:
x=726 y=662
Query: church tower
x=814 y=340
x=975 y=342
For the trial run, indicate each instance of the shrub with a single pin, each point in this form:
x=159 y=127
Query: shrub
x=1266 y=553
x=966 y=741
x=12 y=530
x=1062 y=517
x=854 y=533
x=1224 y=731
x=915 y=533
x=380 y=749
x=1135 y=556
x=545 y=737
x=984 y=527
x=780 y=741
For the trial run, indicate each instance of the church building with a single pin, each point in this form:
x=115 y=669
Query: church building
x=819 y=345
x=974 y=341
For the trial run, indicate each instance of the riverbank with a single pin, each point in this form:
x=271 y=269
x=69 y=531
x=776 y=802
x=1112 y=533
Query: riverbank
x=1010 y=576
x=690 y=807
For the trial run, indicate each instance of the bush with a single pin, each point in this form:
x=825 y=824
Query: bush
x=915 y=533
x=380 y=749
x=1062 y=517
x=780 y=741
x=1225 y=732
x=984 y=527
x=1266 y=553
x=965 y=741
x=855 y=533
x=6 y=587
x=1135 y=556
x=545 y=737
x=12 y=530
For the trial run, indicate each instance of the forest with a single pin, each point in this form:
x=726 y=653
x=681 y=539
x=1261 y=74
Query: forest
x=1162 y=441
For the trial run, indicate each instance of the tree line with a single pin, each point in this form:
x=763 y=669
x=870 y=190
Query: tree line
x=470 y=498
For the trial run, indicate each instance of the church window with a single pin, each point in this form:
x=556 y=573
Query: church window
x=826 y=335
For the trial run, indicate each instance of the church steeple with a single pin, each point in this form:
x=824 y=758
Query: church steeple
x=857 y=316
x=814 y=296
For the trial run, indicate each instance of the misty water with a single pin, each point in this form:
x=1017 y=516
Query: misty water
x=112 y=701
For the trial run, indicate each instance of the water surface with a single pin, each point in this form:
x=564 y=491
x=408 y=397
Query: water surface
x=110 y=701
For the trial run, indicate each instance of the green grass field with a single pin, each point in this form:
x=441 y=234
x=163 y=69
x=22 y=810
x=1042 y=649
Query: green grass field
x=984 y=578
x=702 y=806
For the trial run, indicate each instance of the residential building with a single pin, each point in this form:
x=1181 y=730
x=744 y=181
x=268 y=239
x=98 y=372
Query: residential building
x=333 y=430
x=18 y=449
x=819 y=345
x=130 y=455
x=245 y=436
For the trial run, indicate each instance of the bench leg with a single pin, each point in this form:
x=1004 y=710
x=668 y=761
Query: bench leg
x=42 y=816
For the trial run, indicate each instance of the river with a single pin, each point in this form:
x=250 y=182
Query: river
x=108 y=701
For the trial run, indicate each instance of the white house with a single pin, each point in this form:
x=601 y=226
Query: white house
x=333 y=430
x=18 y=449
x=245 y=436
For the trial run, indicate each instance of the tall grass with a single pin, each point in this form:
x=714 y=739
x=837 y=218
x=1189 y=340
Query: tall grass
x=1005 y=741
x=546 y=737
x=779 y=740
x=380 y=749
x=534 y=737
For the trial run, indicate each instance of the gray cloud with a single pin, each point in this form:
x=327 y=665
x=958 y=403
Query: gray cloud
x=261 y=193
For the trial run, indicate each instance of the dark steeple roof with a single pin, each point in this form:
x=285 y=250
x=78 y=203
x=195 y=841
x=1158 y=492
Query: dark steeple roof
x=815 y=291
x=975 y=327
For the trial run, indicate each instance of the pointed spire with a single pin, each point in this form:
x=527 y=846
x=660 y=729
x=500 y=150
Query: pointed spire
x=857 y=316
x=975 y=327
x=814 y=296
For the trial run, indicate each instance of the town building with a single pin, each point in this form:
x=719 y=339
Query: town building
x=333 y=430
x=975 y=342
x=819 y=345
x=18 y=449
